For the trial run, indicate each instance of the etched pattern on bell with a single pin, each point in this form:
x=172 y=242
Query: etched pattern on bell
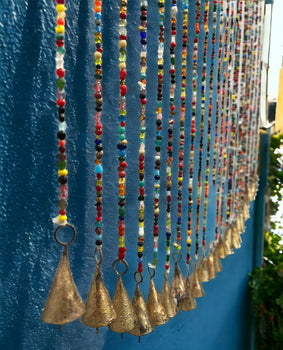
x=157 y=312
x=64 y=303
x=187 y=302
x=143 y=325
x=126 y=318
x=220 y=248
x=99 y=309
x=217 y=262
x=210 y=265
x=167 y=300
x=195 y=285
x=177 y=284
x=203 y=273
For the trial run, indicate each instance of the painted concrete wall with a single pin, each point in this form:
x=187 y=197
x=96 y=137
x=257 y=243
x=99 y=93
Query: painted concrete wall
x=28 y=184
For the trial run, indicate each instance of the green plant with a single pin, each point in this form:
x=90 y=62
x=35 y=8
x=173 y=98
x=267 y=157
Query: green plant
x=266 y=286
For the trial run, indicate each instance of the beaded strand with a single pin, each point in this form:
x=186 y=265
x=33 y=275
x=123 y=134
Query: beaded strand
x=142 y=117
x=61 y=103
x=213 y=41
x=122 y=145
x=174 y=11
x=177 y=244
x=203 y=91
x=158 y=139
x=98 y=124
x=193 y=132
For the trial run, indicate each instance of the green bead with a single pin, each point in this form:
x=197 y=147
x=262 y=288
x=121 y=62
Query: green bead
x=141 y=183
x=121 y=130
x=60 y=82
x=154 y=261
x=122 y=211
x=60 y=50
x=59 y=36
x=62 y=165
x=121 y=137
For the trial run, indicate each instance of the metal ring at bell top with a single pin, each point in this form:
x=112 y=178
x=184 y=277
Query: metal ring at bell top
x=204 y=249
x=180 y=256
x=115 y=270
x=152 y=274
x=72 y=239
x=138 y=277
x=99 y=251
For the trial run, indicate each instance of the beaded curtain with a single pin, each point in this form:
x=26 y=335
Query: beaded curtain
x=28 y=133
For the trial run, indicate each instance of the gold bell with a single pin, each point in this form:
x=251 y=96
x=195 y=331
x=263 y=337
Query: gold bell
x=195 y=285
x=227 y=242
x=235 y=238
x=246 y=211
x=99 y=309
x=64 y=303
x=177 y=284
x=187 y=302
x=210 y=266
x=126 y=318
x=217 y=262
x=203 y=273
x=220 y=248
x=157 y=312
x=167 y=299
x=143 y=325
x=240 y=223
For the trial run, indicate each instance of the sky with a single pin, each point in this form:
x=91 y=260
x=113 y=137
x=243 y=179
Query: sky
x=276 y=49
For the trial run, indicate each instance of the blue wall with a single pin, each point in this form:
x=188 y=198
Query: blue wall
x=28 y=183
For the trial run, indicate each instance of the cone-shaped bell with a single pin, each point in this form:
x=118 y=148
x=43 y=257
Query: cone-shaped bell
x=99 y=309
x=195 y=285
x=143 y=325
x=220 y=248
x=240 y=223
x=187 y=302
x=167 y=300
x=203 y=273
x=246 y=211
x=157 y=312
x=217 y=262
x=210 y=266
x=227 y=242
x=126 y=317
x=63 y=304
x=177 y=284
x=235 y=238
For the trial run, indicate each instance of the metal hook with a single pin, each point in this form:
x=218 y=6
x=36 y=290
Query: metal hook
x=121 y=262
x=138 y=277
x=204 y=249
x=152 y=274
x=180 y=256
x=99 y=251
x=63 y=243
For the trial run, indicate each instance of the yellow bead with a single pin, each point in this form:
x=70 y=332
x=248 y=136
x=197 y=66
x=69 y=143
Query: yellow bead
x=123 y=43
x=121 y=239
x=63 y=172
x=97 y=54
x=140 y=224
x=122 y=65
x=60 y=29
x=60 y=8
x=62 y=218
x=140 y=249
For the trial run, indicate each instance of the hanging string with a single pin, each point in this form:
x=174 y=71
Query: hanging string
x=174 y=11
x=142 y=131
x=158 y=138
x=122 y=145
x=177 y=244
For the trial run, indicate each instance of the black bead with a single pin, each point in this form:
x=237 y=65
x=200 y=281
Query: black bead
x=61 y=135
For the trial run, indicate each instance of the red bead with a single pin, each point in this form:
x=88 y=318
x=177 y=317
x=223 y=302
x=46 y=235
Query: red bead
x=123 y=15
x=62 y=212
x=122 y=174
x=123 y=74
x=123 y=90
x=60 y=72
x=143 y=101
x=59 y=43
x=61 y=102
x=140 y=268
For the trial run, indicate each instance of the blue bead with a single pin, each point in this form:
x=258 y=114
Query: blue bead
x=98 y=169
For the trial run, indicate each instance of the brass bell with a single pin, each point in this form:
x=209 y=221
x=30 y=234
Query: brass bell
x=210 y=266
x=167 y=299
x=64 y=303
x=203 y=273
x=157 y=312
x=235 y=238
x=177 y=284
x=195 y=285
x=246 y=211
x=187 y=302
x=99 y=309
x=240 y=223
x=126 y=318
x=143 y=325
x=220 y=248
x=217 y=262
x=227 y=242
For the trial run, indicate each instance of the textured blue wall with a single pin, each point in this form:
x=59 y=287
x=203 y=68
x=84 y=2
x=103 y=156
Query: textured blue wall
x=28 y=182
